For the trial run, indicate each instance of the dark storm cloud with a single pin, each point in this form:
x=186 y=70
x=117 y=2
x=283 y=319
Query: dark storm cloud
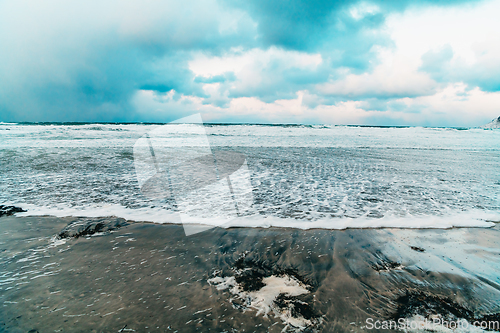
x=84 y=61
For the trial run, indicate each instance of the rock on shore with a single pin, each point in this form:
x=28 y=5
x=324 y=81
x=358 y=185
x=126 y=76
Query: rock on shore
x=9 y=210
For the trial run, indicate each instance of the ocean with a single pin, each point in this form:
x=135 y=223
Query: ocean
x=301 y=176
x=84 y=257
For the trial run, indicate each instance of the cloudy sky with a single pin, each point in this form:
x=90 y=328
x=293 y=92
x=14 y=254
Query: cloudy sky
x=383 y=62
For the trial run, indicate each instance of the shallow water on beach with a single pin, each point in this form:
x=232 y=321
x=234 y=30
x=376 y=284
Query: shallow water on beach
x=301 y=176
x=145 y=277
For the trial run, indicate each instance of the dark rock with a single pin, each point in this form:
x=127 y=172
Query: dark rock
x=419 y=303
x=493 y=321
x=9 y=210
x=416 y=248
x=298 y=307
x=251 y=280
x=249 y=274
x=90 y=226
x=252 y=272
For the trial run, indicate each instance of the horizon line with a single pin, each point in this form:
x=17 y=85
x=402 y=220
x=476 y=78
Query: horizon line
x=223 y=124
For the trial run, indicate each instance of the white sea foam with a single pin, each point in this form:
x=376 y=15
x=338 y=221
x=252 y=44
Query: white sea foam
x=476 y=218
x=157 y=215
x=331 y=177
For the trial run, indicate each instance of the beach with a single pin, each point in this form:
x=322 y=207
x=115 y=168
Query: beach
x=305 y=228
x=132 y=276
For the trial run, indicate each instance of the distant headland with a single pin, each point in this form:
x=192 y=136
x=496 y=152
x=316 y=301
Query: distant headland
x=495 y=123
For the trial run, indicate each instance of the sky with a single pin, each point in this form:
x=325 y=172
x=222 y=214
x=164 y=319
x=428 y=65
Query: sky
x=384 y=62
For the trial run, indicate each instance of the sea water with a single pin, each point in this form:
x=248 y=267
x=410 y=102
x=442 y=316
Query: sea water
x=302 y=176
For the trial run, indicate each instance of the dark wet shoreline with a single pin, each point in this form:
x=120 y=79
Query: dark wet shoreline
x=152 y=278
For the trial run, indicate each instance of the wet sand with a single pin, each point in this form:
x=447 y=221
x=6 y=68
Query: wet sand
x=144 y=277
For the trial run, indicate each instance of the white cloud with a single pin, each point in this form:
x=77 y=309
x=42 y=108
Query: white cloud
x=450 y=106
x=256 y=72
x=242 y=62
x=397 y=76
x=471 y=31
x=456 y=106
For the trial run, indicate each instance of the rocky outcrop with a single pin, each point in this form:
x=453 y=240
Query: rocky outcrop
x=271 y=289
x=88 y=226
x=9 y=210
x=495 y=123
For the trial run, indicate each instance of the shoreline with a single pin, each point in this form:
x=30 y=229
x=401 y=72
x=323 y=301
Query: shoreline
x=275 y=228
x=473 y=219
